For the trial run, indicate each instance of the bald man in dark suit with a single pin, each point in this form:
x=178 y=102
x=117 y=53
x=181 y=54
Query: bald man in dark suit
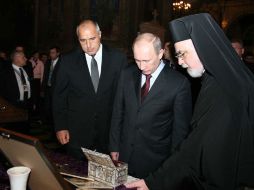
x=84 y=92
x=152 y=110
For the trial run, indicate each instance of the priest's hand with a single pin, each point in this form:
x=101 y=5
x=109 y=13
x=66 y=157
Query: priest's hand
x=140 y=185
x=63 y=136
x=114 y=155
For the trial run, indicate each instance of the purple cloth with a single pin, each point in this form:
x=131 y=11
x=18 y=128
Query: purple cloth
x=4 y=179
x=63 y=163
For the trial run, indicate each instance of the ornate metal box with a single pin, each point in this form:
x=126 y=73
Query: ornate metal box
x=103 y=169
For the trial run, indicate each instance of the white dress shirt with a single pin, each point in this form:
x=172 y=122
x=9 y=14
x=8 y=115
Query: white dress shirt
x=20 y=85
x=97 y=57
x=155 y=74
x=54 y=62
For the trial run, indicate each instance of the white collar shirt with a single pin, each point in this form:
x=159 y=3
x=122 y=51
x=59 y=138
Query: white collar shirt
x=155 y=75
x=97 y=57
x=20 y=85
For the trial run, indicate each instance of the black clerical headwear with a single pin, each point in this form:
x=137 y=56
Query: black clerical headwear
x=216 y=54
x=179 y=30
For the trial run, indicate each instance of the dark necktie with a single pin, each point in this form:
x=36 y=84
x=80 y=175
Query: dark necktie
x=145 y=88
x=23 y=81
x=94 y=73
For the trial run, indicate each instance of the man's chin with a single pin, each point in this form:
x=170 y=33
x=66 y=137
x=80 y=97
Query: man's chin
x=89 y=52
x=145 y=73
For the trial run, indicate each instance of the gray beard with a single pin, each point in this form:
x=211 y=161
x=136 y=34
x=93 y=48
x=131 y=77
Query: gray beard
x=195 y=73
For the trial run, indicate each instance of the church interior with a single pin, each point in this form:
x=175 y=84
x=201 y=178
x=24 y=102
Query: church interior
x=37 y=25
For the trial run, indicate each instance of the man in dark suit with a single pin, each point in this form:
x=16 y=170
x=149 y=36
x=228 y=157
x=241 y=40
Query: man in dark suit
x=50 y=70
x=239 y=48
x=15 y=85
x=12 y=87
x=152 y=109
x=84 y=92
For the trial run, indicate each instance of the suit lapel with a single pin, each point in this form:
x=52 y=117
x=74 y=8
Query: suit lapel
x=14 y=79
x=55 y=67
x=83 y=68
x=105 y=69
x=137 y=85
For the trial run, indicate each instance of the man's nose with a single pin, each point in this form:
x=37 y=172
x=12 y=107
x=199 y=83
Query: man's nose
x=180 y=61
x=142 y=66
x=88 y=43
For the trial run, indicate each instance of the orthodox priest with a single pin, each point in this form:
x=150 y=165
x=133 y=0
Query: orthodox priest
x=219 y=152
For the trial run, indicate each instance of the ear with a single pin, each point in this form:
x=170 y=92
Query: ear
x=243 y=51
x=161 y=53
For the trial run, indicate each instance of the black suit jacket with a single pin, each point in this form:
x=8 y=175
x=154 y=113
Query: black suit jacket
x=76 y=106
x=3 y=64
x=9 y=89
x=145 y=134
x=47 y=71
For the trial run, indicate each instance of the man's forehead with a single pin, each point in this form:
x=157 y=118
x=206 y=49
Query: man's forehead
x=236 y=44
x=88 y=27
x=53 y=50
x=19 y=54
x=87 y=34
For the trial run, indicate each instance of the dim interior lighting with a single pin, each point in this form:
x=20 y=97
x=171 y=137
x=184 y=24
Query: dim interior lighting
x=181 y=5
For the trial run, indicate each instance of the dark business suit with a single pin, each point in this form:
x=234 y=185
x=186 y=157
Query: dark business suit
x=47 y=89
x=76 y=106
x=3 y=63
x=9 y=89
x=47 y=71
x=145 y=134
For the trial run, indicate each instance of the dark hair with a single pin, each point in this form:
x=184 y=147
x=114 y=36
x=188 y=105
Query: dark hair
x=34 y=52
x=14 y=53
x=235 y=40
x=55 y=47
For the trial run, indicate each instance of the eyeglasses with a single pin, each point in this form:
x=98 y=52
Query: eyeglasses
x=180 y=54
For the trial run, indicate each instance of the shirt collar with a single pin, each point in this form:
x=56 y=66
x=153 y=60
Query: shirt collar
x=158 y=70
x=55 y=60
x=16 y=67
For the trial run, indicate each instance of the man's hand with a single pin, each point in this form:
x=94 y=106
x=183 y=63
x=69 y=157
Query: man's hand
x=140 y=185
x=63 y=136
x=114 y=155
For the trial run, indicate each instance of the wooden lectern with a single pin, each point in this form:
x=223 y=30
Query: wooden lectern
x=9 y=113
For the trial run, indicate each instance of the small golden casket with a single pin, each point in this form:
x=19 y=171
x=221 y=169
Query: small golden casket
x=101 y=168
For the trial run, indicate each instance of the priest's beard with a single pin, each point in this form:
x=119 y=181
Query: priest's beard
x=195 y=73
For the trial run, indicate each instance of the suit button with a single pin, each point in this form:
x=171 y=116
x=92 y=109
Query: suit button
x=132 y=144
